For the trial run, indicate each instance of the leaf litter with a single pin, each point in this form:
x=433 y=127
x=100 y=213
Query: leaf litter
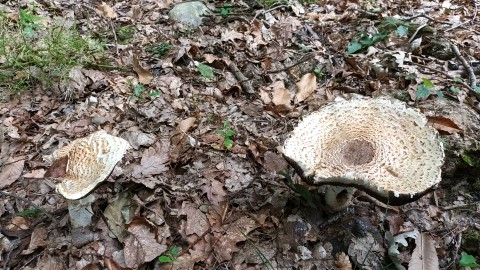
x=260 y=68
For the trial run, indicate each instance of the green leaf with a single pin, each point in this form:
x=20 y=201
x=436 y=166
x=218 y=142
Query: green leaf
x=29 y=213
x=175 y=251
x=467 y=159
x=304 y=192
x=454 y=89
x=165 y=259
x=228 y=143
x=467 y=260
x=138 y=90
x=427 y=82
x=205 y=70
x=154 y=94
x=458 y=80
x=353 y=47
x=476 y=89
x=230 y=133
x=220 y=131
x=439 y=94
x=422 y=91
x=402 y=30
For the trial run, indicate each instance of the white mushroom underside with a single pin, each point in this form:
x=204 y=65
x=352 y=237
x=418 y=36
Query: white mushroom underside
x=90 y=161
x=376 y=143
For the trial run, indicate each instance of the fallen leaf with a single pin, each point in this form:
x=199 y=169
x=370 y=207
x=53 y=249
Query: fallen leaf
x=107 y=11
x=40 y=173
x=444 y=124
x=306 y=86
x=144 y=233
x=118 y=213
x=281 y=96
x=179 y=138
x=144 y=76
x=11 y=171
x=424 y=256
x=235 y=232
x=154 y=160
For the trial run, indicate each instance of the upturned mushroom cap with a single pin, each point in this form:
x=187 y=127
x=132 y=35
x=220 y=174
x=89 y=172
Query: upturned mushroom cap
x=90 y=160
x=376 y=145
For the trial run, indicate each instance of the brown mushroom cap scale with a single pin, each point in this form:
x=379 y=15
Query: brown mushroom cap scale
x=376 y=145
x=90 y=161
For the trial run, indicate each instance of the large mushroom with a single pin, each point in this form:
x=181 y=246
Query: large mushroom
x=376 y=145
x=86 y=162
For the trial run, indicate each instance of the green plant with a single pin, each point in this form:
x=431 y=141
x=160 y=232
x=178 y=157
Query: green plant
x=365 y=41
x=160 y=49
x=170 y=255
x=205 y=70
x=140 y=93
x=35 y=212
x=227 y=134
x=33 y=53
x=467 y=260
x=226 y=9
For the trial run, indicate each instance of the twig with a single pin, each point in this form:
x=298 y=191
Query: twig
x=29 y=203
x=416 y=32
x=303 y=59
x=266 y=11
x=468 y=68
x=244 y=81
x=114 y=36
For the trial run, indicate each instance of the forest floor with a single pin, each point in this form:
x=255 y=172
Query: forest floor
x=188 y=197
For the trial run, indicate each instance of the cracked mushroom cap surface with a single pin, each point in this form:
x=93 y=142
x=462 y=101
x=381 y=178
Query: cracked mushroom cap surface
x=377 y=145
x=90 y=160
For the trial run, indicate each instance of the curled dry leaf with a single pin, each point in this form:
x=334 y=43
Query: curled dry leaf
x=107 y=11
x=306 y=86
x=144 y=76
x=11 y=171
x=444 y=124
x=342 y=261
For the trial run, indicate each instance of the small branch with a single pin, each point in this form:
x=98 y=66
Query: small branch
x=303 y=59
x=416 y=32
x=468 y=68
x=266 y=11
x=244 y=81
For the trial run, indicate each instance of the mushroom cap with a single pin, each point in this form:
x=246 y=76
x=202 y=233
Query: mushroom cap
x=90 y=160
x=376 y=145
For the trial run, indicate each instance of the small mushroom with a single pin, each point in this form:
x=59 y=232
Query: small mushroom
x=376 y=145
x=85 y=163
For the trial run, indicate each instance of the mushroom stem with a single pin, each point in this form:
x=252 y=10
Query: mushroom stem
x=338 y=198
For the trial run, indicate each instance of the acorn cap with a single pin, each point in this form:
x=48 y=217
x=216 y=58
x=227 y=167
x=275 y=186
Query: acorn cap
x=89 y=161
x=376 y=145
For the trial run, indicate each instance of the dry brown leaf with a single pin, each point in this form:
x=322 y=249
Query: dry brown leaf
x=107 y=11
x=154 y=160
x=424 y=256
x=196 y=220
x=142 y=235
x=342 y=261
x=144 y=76
x=306 y=86
x=444 y=124
x=281 y=96
x=179 y=137
x=11 y=171
x=110 y=264
x=235 y=232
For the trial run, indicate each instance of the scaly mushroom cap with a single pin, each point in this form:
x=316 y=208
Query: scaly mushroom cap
x=377 y=145
x=90 y=160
